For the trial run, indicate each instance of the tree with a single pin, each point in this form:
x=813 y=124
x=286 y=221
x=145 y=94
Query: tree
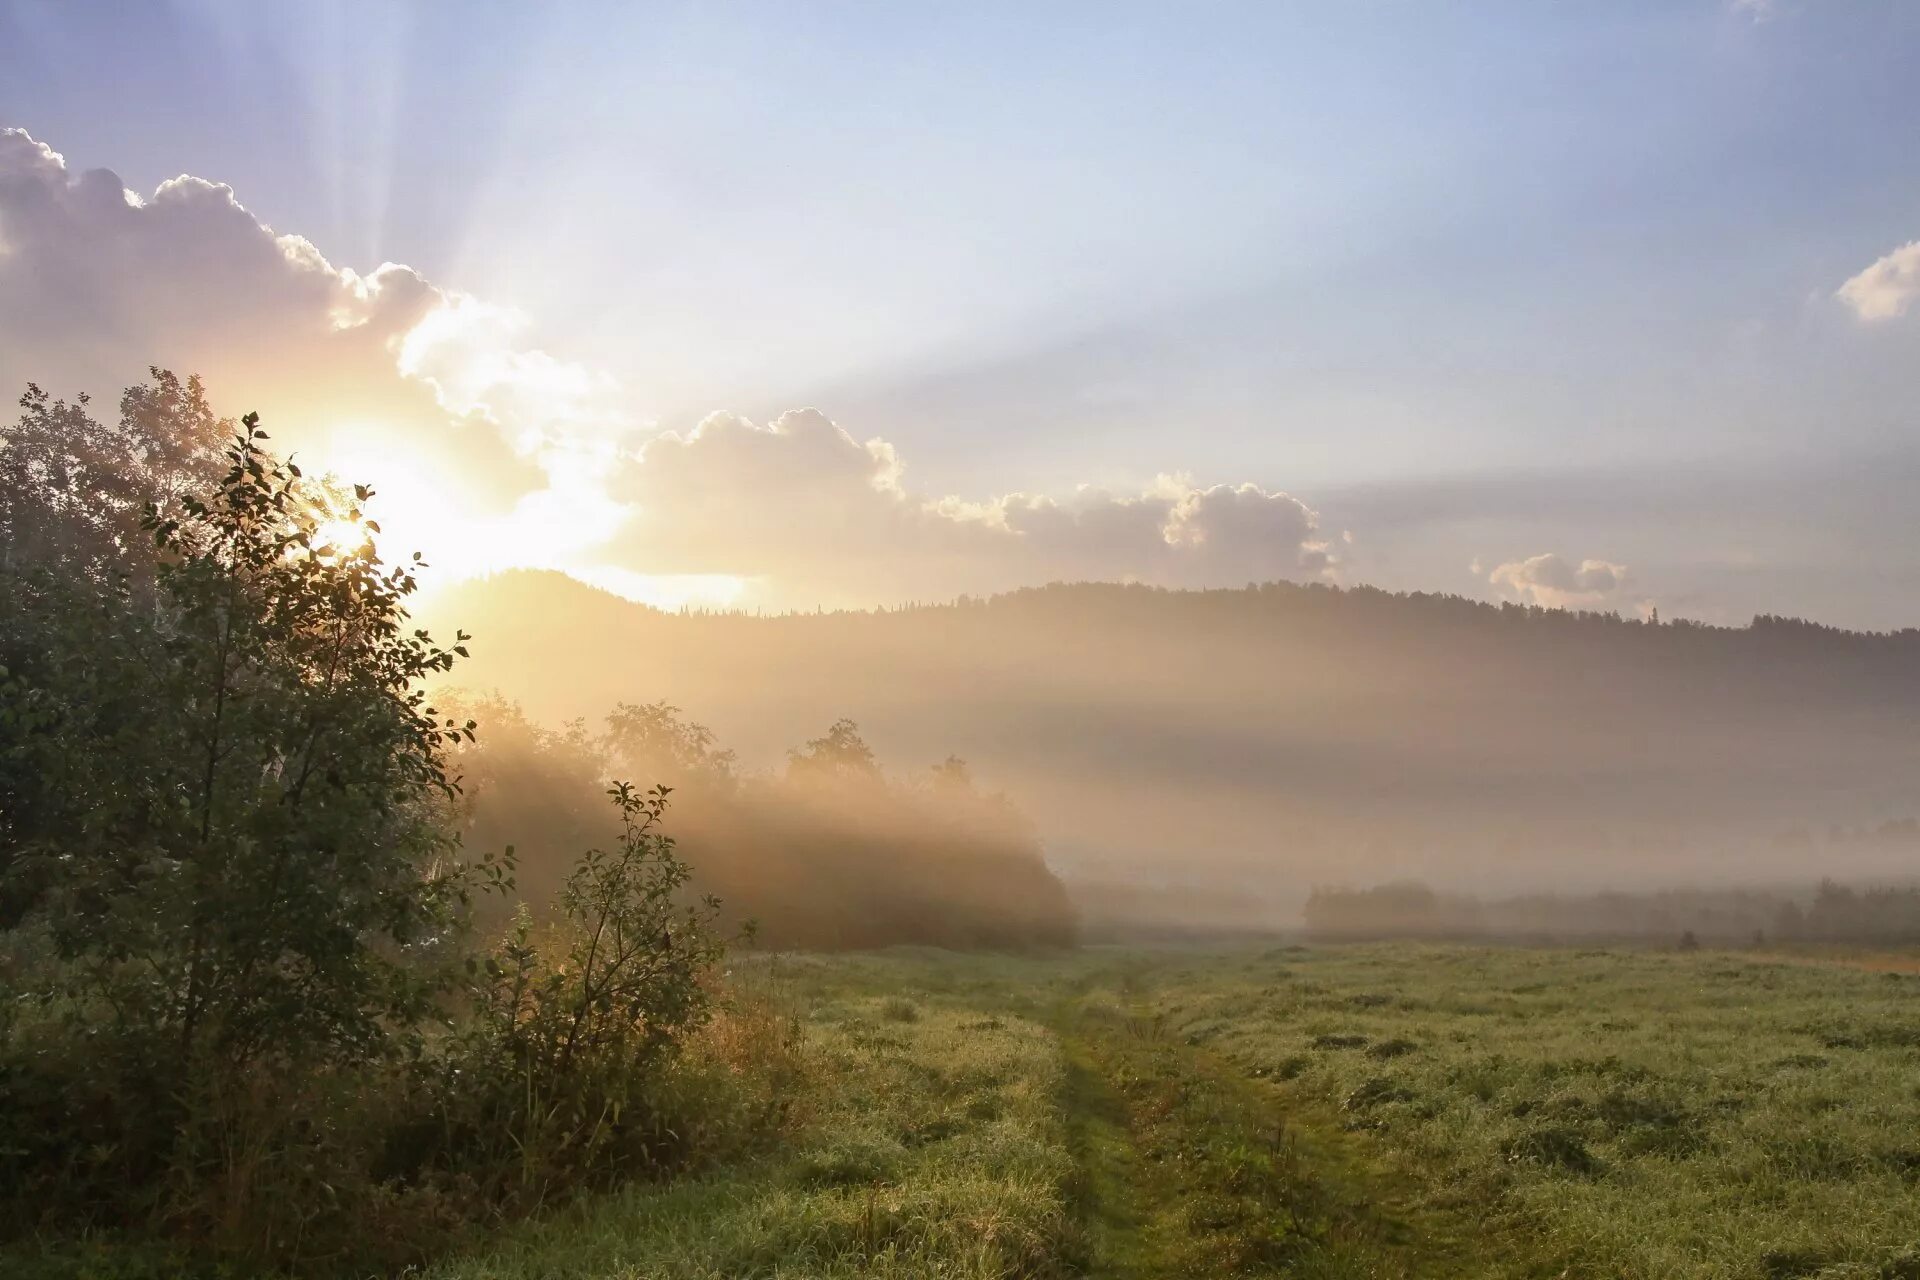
x=652 y=739
x=952 y=776
x=840 y=754
x=232 y=824
x=73 y=490
x=553 y=1080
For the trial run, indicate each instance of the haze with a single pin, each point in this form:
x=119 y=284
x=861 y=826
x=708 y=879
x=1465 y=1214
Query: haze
x=763 y=312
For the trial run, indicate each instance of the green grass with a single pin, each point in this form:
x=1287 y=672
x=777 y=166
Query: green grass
x=1472 y=1111
x=1386 y=1112
x=1635 y=1114
x=996 y=1117
x=1188 y=1168
x=928 y=1143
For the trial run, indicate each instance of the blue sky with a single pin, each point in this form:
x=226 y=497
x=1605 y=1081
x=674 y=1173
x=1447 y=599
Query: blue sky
x=1546 y=255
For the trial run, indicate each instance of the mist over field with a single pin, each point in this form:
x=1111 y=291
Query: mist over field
x=1005 y=641
x=1249 y=744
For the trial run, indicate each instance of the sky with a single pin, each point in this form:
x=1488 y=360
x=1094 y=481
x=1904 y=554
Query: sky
x=780 y=305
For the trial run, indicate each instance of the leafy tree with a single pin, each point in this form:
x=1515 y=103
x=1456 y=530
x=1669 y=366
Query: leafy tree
x=230 y=892
x=953 y=776
x=73 y=490
x=229 y=806
x=654 y=740
x=840 y=754
x=628 y=980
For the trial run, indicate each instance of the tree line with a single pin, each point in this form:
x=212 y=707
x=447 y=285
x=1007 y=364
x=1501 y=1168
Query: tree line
x=1887 y=915
x=828 y=851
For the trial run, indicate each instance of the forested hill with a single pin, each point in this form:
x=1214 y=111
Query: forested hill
x=1299 y=733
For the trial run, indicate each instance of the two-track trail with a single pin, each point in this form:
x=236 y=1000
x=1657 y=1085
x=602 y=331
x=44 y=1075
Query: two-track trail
x=1186 y=1166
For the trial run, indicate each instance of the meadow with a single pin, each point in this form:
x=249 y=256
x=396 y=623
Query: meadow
x=1390 y=1110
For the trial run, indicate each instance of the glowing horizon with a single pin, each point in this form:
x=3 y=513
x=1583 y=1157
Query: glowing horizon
x=1376 y=323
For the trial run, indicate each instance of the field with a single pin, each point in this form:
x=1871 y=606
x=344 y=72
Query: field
x=1374 y=1111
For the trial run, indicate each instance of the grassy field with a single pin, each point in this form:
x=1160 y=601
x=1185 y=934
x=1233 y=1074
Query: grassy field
x=1328 y=1113
x=1631 y=1114
x=927 y=1141
x=1342 y=1112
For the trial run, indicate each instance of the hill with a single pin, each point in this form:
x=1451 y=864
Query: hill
x=1280 y=736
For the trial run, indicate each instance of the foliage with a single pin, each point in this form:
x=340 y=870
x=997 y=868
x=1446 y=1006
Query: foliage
x=255 y=811
x=1876 y=916
x=245 y=1015
x=222 y=789
x=1830 y=913
x=838 y=754
x=934 y=1148
x=73 y=490
x=549 y=1081
x=835 y=851
x=654 y=739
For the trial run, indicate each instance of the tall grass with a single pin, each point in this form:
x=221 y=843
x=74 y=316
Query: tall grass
x=1645 y=1115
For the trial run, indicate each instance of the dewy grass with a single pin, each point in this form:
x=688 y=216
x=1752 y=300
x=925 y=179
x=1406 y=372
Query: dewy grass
x=929 y=1146
x=1395 y=1110
x=1642 y=1115
x=1369 y=1111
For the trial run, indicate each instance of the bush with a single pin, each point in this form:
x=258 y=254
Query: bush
x=550 y=1083
x=246 y=1017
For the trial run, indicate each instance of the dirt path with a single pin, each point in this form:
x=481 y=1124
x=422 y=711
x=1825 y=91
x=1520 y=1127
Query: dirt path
x=1188 y=1168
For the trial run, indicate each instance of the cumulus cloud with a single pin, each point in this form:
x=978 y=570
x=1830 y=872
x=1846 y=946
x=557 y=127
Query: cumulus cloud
x=1557 y=583
x=491 y=453
x=802 y=504
x=1886 y=289
x=97 y=283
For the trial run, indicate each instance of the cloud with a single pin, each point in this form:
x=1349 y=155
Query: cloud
x=490 y=453
x=1556 y=583
x=803 y=505
x=1886 y=289
x=97 y=283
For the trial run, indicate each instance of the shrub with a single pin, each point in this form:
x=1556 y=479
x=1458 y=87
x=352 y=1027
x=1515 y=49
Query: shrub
x=899 y=1009
x=551 y=1082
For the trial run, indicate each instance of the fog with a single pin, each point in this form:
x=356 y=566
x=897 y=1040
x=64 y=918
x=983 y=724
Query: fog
x=828 y=850
x=1216 y=756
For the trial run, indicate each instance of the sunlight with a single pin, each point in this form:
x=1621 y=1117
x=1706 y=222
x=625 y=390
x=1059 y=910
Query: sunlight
x=668 y=591
x=878 y=639
x=343 y=536
x=419 y=508
x=411 y=502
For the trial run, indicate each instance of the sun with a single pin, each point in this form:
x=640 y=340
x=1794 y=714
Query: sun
x=343 y=536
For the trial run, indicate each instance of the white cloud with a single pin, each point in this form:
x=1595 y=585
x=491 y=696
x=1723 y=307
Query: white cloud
x=97 y=283
x=471 y=352
x=1886 y=289
x=1557 y=583
x=802 y=505
x=489 y=452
